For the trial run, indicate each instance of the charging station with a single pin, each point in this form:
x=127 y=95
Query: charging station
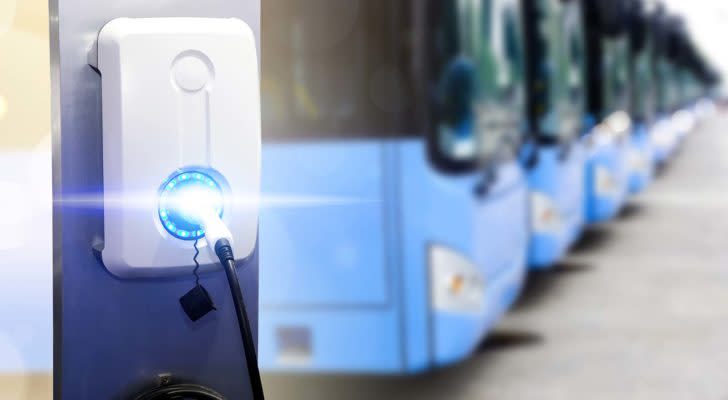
x=186 y=89
x=156 y=128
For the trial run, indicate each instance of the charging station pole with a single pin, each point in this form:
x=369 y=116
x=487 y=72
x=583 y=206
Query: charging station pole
x=115 y=337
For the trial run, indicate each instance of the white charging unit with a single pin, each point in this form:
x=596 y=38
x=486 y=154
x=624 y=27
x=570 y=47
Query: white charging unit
x=181 y=115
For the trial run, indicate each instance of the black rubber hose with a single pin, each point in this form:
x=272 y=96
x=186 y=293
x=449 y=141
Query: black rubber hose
x=224 y=252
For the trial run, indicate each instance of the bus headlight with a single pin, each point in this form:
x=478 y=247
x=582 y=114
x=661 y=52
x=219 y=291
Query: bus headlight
x=606 y=184
x=619 y=123
x=662 y=135
x=637 y=162
x=457 y=285
x=545 y=216
x=705 y=109
x=684 y=122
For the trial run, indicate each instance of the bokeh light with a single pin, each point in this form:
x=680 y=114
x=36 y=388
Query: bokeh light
x=25 y=88
x=3 y=106
x=7 y=15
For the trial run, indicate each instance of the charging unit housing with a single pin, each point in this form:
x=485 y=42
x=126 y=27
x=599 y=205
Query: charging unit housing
x=180 y=104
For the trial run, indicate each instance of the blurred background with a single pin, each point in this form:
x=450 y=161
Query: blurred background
x=26 y=314
x=462 y=199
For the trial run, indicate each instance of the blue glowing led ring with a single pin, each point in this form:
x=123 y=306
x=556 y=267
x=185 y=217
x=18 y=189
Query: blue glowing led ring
x=174 y=221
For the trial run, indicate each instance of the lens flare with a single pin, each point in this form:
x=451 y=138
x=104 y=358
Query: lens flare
x=185 y=199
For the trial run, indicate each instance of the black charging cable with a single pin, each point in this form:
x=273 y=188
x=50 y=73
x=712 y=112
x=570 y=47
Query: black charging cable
x=224 y=252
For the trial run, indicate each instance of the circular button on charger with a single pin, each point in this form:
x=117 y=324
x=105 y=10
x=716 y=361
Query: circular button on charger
x=191 y=72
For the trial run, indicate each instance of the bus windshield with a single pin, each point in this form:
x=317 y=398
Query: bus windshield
x=643 y=101
x=560 y=47
x=337 y=69
x=478 y=72
x=668 y=91
x=616 y=67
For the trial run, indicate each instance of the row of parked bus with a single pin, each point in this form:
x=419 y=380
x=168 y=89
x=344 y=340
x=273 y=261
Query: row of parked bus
x=420 y=156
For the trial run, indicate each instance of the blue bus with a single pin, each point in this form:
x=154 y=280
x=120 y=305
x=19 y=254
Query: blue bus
x=678 y=47
x=699 y=86
x=643 y=101
x=394 y=222
x=607 y=118
x=666 y=131
x=556 y=93
x=704 y=87
x=693 y=83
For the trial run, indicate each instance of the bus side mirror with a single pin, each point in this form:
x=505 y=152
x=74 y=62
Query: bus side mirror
x=455 y=122
x=456 y=92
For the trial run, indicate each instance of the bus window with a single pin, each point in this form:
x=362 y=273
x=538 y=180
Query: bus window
x=575 y=64
x=514 y=54
x=501 y=107
x=643 y=101
x=454 y=78
x=560 y=121
x=478 y=74
x=575 y=78
x=621 y=101
x=336 y=68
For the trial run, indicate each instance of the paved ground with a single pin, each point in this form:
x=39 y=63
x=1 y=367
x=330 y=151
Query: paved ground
x=639 y=311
